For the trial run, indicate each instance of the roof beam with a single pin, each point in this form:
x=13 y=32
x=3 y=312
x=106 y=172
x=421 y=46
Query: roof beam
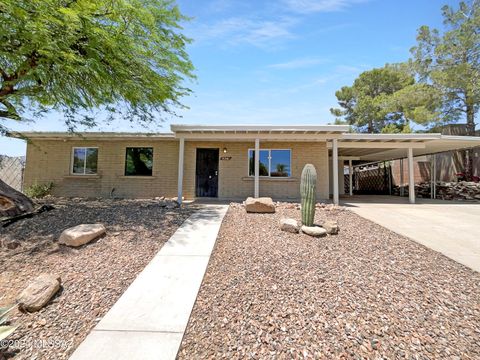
x=322 y=128
x=378 y=145
x=347 y=157
x=261 y=136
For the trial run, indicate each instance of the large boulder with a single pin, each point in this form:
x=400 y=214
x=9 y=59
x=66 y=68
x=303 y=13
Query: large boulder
x=331 y=226
x=259 y=205
x=289 y=225
x=316 y=231
x=81 y=234
x=38 y=292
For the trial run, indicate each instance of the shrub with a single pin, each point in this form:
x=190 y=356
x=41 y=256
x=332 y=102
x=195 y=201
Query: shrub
x=39 y=190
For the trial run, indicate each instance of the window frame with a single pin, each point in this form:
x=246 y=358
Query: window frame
x=72 y=161
x=269 y=163
x=125 y=161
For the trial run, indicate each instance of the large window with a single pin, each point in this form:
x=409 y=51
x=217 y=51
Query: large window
x=273 y=163
x=84 y=160
x=138 y=161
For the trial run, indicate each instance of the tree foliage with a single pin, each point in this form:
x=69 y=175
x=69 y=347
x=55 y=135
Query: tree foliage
x=125 y=57
x=450 y=62
x=386 y=99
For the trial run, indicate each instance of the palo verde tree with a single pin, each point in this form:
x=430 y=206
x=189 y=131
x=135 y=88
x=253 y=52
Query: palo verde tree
x=125 y=58
x=386 y=100
x=450 y=62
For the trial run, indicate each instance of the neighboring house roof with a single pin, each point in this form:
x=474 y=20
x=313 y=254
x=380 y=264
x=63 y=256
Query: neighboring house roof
x=354 y=146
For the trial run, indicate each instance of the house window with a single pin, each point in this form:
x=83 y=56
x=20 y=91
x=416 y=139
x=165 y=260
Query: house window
x=84 y=160
x=273 y=163
x=138 y=161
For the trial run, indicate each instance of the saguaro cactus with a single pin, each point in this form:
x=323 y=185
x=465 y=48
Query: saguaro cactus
x=307 y=192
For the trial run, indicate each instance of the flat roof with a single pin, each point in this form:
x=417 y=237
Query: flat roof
x=59 y=135
x=329 y=129
x=384 y=147
x=354 y=146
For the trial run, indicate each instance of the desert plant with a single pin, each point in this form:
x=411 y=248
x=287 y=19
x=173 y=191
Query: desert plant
x=39 y=190
x=5 y=330
x=308 y=193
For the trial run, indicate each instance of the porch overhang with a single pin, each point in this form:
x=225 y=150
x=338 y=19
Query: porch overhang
x=262 y=132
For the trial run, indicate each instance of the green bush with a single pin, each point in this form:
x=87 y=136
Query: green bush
x=39 y=190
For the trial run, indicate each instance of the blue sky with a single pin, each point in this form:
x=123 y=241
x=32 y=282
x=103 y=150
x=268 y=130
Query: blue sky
x=279 y=62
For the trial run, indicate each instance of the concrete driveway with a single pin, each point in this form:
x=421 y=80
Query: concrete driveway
x=452 y=228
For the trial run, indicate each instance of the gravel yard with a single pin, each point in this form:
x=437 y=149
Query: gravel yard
x=364 y=293
x=93 y=276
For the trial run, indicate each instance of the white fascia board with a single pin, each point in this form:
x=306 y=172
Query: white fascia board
x=230 y=136
x=392 y=137
x=89 y=135
x=378 y=145
x=474 y=139
x=250 y=128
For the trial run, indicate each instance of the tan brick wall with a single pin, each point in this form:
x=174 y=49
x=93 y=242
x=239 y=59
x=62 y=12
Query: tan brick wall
x=234 y=183
x=50 y=161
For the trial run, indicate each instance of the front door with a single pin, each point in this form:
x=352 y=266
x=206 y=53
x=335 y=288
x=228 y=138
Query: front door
x=206 y=179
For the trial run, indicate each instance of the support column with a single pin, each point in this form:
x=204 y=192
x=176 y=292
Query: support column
x=257 y=169
x=350 y=174
x=411 y=179
x=402 y=185
x=434 y=187
x=181 y=151
x=335 y=171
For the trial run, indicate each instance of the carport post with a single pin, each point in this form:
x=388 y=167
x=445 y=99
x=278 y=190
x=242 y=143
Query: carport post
x=335 y=171
x=257 y=168
x=433 y=190
x=411 y=181
x=181 y=151
x=402 y=185
x=350 y=175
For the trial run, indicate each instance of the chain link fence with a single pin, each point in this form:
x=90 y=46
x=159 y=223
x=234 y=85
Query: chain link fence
x=11 y=171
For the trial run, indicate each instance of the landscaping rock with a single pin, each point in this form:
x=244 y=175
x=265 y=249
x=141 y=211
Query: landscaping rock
x=360 y=294
x=461 y=190
x=172 y=204
x=11 y=245
x=81 y=234
x=316 y=231
x=38 y=292
x=289 y=225
x=331 y=226
x=259 y=205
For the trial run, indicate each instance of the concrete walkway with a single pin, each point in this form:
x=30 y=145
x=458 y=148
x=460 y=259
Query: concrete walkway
x=149 y=319
x=452 y=228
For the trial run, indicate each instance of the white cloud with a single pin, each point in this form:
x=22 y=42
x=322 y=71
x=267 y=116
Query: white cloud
x=243 y=30
x=298 y=63
x=312 y=6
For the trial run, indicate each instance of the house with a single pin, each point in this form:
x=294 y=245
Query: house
x=217 y=161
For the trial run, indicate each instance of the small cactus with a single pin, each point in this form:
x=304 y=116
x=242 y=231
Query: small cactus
x=307 y=192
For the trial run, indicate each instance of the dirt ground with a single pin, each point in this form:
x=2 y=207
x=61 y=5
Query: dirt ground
x=93 y=276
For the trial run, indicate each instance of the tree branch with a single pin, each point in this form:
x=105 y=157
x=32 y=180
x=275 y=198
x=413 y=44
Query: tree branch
x=10 y=113
x=3 y=74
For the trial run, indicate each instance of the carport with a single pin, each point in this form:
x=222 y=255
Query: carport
x=370 y=148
